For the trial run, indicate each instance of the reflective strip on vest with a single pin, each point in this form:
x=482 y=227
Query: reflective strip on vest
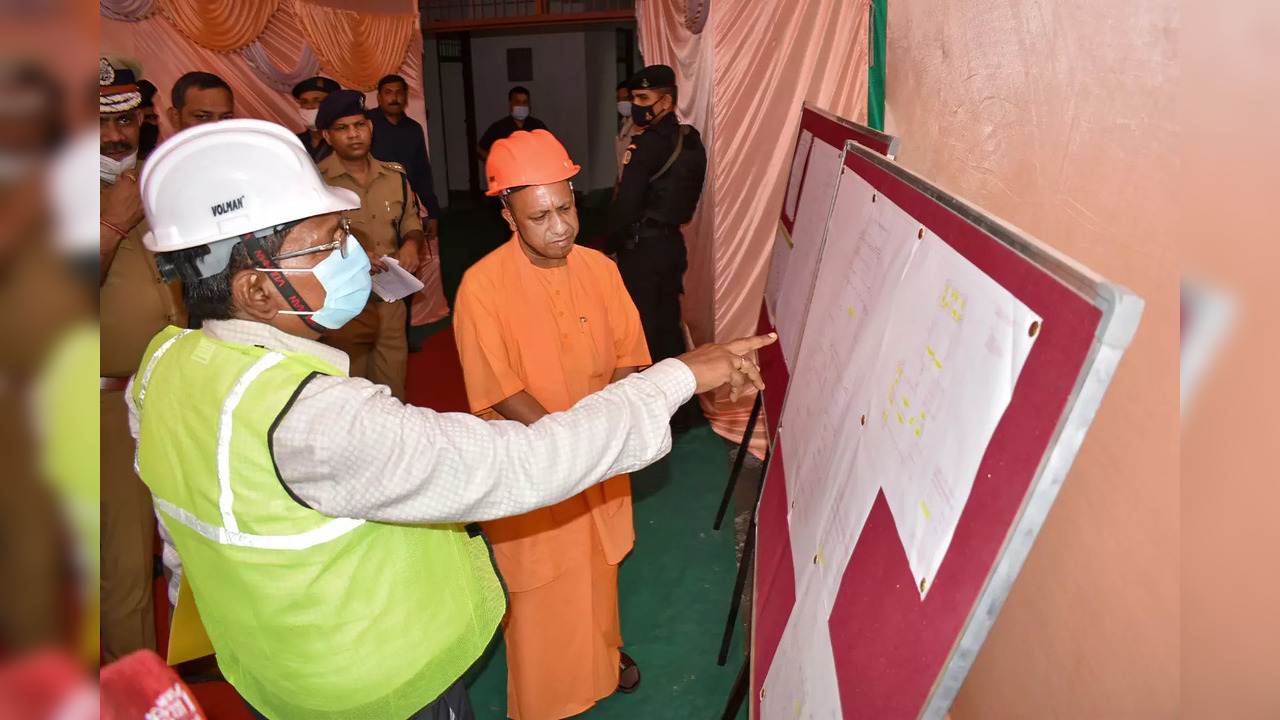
x=146 y=375
x=225 y=496
x=142 y=390
x=230 y=533
x=331 y=530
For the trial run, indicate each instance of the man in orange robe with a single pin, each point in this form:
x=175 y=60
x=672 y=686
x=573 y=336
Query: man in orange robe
x=541 y=324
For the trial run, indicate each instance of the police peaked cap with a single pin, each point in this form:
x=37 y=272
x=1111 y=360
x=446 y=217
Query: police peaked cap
x=118 y=77
x=339 y=104
x=323 y=84
x=654 y=76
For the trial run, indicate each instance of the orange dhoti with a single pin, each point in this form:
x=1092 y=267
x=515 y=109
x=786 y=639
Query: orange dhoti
x=562 y=629
x=558 y=334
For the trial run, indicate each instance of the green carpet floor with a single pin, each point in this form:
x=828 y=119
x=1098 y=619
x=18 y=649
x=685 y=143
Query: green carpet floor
x=673 y=592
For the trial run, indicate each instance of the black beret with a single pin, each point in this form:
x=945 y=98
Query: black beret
x=323 y=84
x=148 y=91
x=339 y=104
x=654 y=76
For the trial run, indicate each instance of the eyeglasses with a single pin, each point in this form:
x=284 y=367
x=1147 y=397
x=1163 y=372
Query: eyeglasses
x=340 y=243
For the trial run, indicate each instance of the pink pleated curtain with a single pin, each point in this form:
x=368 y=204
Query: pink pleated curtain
x=742 y=82
x=353 y=42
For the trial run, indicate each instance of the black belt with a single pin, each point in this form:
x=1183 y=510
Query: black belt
x=650 y=227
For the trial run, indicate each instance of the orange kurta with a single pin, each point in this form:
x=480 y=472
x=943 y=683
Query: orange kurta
x=557 y=334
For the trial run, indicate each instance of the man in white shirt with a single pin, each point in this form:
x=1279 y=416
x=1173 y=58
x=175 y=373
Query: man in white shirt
x=318 y=519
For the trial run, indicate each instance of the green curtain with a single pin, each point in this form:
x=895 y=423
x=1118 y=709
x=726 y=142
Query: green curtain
x=875 y=90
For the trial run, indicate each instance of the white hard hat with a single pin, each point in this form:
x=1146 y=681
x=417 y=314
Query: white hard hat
x=214 y=183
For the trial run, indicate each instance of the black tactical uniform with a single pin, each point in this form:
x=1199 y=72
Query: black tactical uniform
x=321 y=149
x=662 y=176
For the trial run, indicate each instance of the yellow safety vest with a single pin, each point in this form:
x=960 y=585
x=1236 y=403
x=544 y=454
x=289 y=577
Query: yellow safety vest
x=311 y=616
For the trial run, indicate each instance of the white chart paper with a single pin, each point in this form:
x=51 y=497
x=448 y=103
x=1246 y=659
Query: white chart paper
x=801 y=682
x=869 y=246
x=777 y=270
x=806 y=245
x=942 y=382
x=797 y=173
x=910 y=357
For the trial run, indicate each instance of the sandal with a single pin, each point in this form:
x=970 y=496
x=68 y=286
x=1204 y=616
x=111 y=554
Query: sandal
x=625 y=663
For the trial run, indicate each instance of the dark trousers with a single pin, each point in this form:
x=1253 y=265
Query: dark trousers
x=653 y=271
x=453 y=704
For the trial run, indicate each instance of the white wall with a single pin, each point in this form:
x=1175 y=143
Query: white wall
x=574 y=76
x=455 y=126
x=599 y=168
x=558 y=90
x=435 y=120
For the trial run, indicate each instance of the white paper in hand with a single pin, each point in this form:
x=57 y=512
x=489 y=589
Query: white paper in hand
x=395 y=282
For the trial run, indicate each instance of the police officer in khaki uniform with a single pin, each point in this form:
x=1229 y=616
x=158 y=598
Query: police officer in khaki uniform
x=135 y=304
x=387 y=224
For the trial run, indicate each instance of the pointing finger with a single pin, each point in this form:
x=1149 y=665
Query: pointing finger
x=742 y=346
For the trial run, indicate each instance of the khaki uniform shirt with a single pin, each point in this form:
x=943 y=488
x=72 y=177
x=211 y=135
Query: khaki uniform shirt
x=623 y=141
x=388 y=210
x=136 y=303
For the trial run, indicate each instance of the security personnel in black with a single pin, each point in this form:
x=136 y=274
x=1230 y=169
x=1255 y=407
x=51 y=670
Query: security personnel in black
x=310 y=93
x=662 y=176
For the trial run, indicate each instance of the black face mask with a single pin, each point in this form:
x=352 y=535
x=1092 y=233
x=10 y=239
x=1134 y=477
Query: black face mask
x=642 y=115
x=148 y=138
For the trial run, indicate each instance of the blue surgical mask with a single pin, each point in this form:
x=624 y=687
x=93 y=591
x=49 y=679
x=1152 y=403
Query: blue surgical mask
x=520 y=112
x=346 y=282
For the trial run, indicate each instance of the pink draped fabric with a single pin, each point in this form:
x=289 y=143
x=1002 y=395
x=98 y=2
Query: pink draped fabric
x=222 y=25
x=165 y=54
x=359 y=47
x=765 y=58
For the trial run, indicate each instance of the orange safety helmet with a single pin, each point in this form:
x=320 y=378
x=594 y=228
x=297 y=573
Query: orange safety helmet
x=527 y=158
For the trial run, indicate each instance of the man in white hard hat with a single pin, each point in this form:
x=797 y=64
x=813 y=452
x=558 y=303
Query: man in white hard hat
x=319 y=519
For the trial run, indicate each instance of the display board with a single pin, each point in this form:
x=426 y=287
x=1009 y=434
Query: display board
x=811 y=186
x=940 y=371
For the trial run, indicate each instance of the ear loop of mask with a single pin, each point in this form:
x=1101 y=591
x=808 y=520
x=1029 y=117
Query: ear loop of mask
x=259 y=256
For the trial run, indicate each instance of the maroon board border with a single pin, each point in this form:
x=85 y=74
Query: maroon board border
x=890 y=647
x=834 y=132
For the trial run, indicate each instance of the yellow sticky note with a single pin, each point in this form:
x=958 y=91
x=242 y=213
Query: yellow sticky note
x=851 y=313
x=904 y=402
x=911 y=421
x=900 y=420
x=917 y=432
x=925 y=508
